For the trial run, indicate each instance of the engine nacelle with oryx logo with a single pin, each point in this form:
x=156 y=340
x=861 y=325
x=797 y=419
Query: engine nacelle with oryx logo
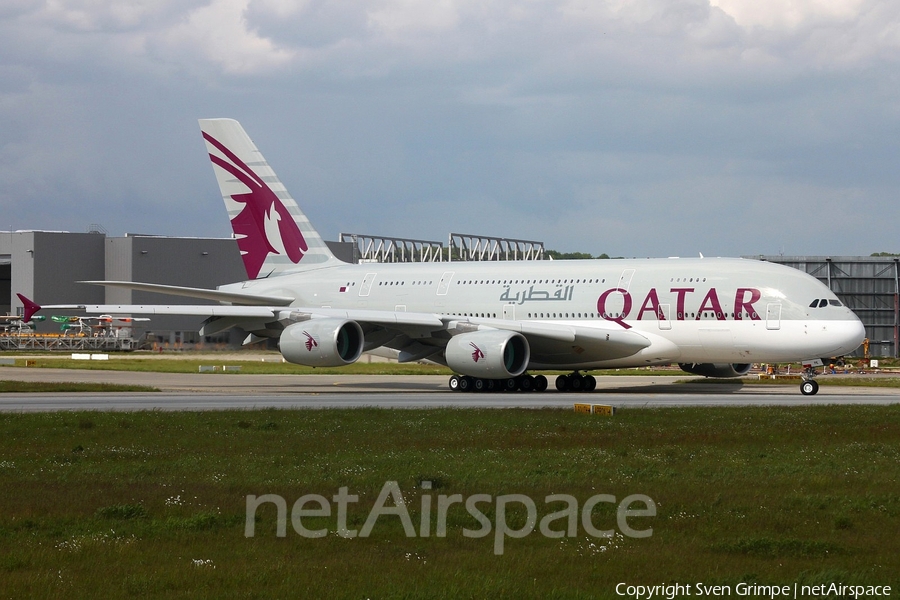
x=715 y=370
x=322 y=342
x=488 y=354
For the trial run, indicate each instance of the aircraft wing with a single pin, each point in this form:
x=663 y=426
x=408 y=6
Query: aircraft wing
x=598 y=341
x=402 y=330
x=378 y=317
x=201 y=310
x=202 y=293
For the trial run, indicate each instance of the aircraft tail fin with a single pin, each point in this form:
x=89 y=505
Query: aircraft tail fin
x=273 y=234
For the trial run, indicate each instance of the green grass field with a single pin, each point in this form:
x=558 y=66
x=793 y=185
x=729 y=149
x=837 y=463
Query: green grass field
x=60 y=387
x=187 y=364
x=153 y=504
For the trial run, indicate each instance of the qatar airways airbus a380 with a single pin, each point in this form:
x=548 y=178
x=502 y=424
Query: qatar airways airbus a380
x=492 y=322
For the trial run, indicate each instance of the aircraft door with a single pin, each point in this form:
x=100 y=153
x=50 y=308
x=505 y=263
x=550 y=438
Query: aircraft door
x=366 y=286
x=625 y=279
x=663 y=317
x=509 y=312
x=444 y=285
x=773 y=316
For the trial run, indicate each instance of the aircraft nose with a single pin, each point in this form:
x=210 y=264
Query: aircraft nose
x=852 y=333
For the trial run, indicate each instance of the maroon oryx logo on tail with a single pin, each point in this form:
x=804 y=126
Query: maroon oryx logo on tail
x=477 y=354
x=261 y=206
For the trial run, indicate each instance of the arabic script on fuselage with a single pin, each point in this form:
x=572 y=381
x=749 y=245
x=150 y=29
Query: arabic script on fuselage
x=560 y=294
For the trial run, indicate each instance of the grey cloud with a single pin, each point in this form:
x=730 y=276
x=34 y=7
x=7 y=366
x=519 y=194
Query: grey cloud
x=640 y=128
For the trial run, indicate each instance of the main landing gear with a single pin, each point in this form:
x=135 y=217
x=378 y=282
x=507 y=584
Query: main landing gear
x=522 y=383
x=573 y=382
x=576 y=382
x=809 y=386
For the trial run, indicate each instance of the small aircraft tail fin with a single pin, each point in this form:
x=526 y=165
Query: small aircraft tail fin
x=273 y=234
x=30 y=307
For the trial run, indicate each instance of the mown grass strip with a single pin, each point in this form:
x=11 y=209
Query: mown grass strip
x=191 y=365
x=58 y=387
x=259 y=367
x=271 y=367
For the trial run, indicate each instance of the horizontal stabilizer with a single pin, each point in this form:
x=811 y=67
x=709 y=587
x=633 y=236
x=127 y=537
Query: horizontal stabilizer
x=31 y=307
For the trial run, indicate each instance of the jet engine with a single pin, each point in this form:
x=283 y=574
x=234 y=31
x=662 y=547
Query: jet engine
x=322 y=342
x=715 y=370
x=488 y=354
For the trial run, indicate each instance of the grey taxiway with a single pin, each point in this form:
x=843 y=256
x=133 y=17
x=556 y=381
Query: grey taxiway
x=221 y=391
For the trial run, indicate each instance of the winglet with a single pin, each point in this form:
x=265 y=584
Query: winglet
x=30 y=307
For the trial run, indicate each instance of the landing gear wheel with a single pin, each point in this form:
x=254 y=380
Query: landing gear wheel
x=540 y=383
x=526 y=384
x=576 y=382
x=809 y=387
x=510 y=385
x=465 y=383
x=590 y=383
x=454 y=383
x=480 y=385
x=562 y=383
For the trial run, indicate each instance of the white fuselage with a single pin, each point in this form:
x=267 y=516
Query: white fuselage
x=691 y=310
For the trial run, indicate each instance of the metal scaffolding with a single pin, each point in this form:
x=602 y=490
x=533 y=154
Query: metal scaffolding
x=461 y=246
x=464 y=246
x=371 y=248
x=68 y=343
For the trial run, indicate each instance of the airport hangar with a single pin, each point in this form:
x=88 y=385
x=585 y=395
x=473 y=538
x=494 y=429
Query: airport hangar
x=46 y=266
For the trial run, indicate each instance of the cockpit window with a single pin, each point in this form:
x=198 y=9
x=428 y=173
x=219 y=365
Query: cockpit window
x=823 y=302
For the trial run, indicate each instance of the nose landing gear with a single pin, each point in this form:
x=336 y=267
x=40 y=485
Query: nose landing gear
x=809 y=386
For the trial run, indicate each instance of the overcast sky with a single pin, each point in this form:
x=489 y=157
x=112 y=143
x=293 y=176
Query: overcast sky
x=634 y=128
